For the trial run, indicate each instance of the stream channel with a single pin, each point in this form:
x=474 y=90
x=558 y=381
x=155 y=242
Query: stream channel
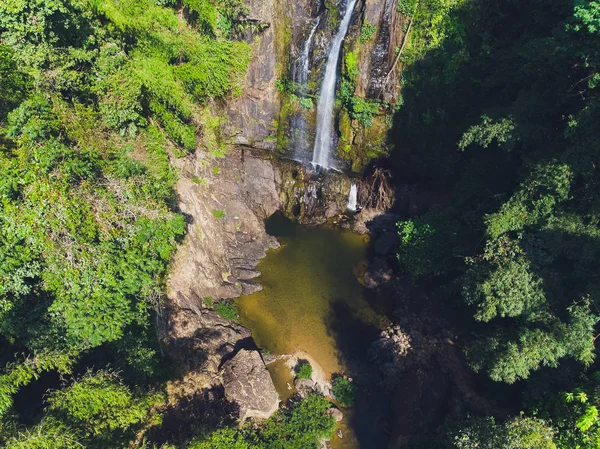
x=313 y=304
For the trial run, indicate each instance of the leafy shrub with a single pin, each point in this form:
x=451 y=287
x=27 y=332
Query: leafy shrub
x=304 y=370
x=502 y=131
x=205 y=13
x=351 y=65
x=343 y=391
x=358 y=108
x=306 y=102
x=227 y=438
x=407 y=7
x=99 y=404
x=535 y=200
x=49 y=434
x=425 y=243
x=485 y=433
x=14 y=83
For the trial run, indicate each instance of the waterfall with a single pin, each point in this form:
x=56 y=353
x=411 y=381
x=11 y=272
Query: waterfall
x=323 y=139
x=352 y=206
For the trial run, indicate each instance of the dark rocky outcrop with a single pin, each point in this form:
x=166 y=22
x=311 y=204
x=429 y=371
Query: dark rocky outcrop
x=418 y=403
x=423 y=369
x=309 y=196
x=376 y=57
x=213 y=353
x=201 y=340
x=251 y=116
x=304 y=386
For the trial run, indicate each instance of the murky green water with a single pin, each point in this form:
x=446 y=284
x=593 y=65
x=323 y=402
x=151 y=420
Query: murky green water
x=312 y=302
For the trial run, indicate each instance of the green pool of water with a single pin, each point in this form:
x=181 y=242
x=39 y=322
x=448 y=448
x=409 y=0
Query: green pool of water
x=313 y=302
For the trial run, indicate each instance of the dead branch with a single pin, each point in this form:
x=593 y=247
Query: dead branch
x=397 y=59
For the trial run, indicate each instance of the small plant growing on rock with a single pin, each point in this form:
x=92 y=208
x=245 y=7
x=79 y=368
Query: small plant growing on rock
x=367 y=32
x=227 y=310
x=343 y=391
x=218 y=213
x=304 y=370
x=306 y=103
x=208 y=302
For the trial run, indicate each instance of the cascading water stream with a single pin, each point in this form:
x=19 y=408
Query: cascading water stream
x=323 y=139
x=352 y=198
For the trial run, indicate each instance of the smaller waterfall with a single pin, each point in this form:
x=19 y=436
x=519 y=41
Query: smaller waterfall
x=302 y=65
x=325 y=106
x=352 y=198
x=301 y=70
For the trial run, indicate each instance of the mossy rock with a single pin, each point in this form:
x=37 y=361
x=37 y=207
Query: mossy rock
x=359 y=145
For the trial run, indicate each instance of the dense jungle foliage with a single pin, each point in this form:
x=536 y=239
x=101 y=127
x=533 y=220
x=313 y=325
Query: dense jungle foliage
x=501 y=116
x=500 y=113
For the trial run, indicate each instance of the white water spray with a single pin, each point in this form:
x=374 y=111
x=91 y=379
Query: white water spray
x=323 y=139
x=352 y=198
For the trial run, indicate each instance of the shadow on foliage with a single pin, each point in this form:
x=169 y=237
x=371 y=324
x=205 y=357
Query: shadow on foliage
x=202 y=412
x=353 y=337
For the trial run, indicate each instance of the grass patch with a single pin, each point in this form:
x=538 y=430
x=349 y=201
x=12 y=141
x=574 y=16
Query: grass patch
x=219 y=213
x=227 y=310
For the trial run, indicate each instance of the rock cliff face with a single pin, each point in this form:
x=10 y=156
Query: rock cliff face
x=376 y=55
x=268 y=113
x=251 y=116
x=226 y=204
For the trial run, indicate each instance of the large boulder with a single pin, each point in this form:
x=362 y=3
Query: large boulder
x=248 y=383
x=335 y=413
